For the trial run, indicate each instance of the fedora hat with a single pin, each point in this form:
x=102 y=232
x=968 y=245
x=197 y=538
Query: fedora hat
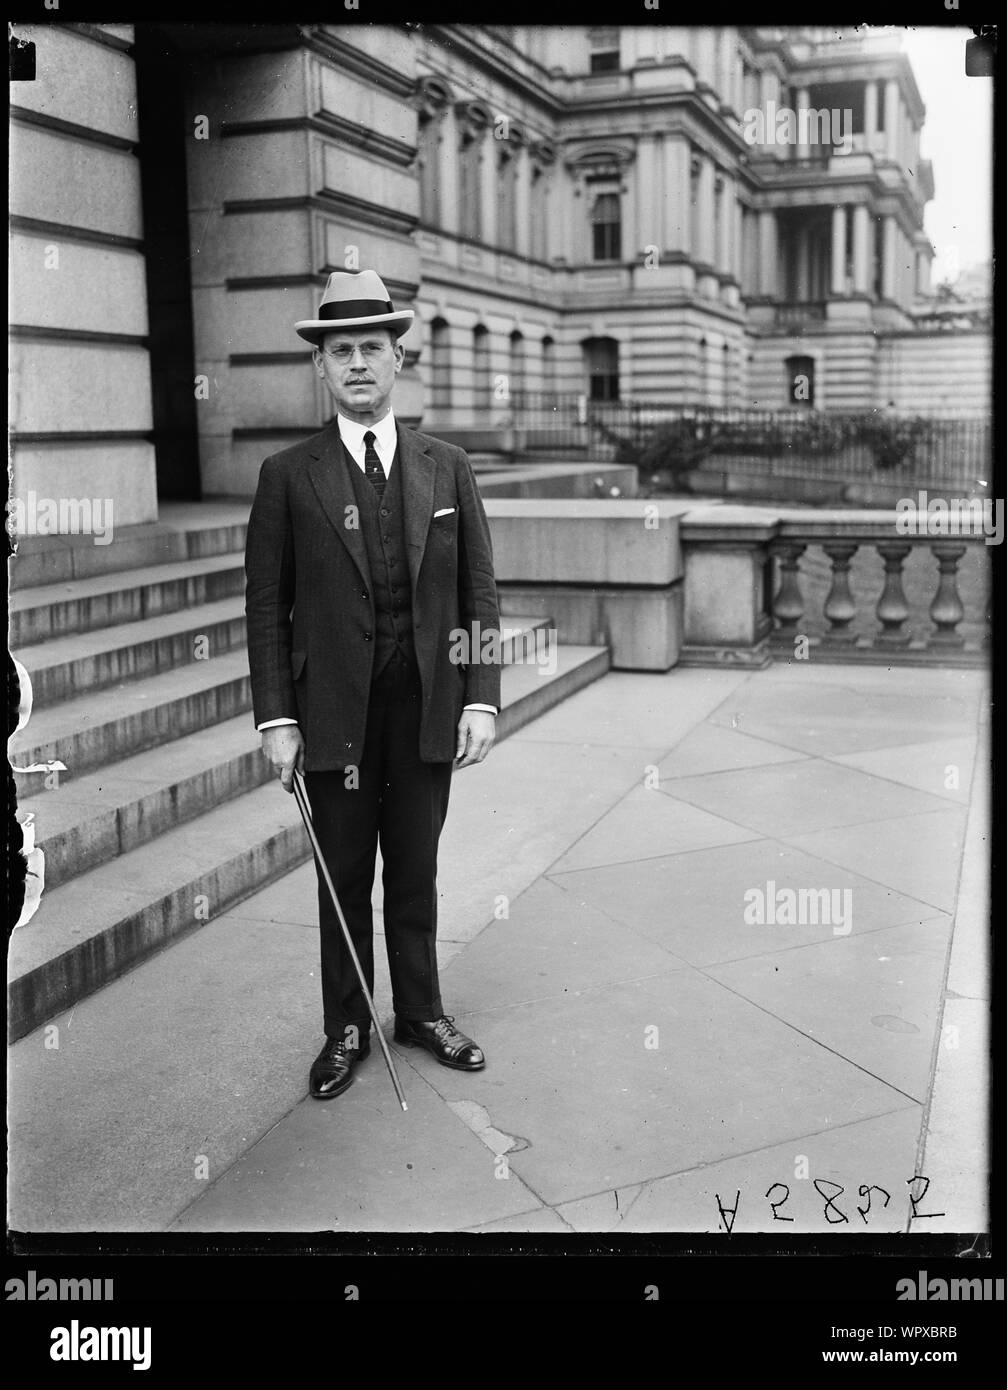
x=354 y=299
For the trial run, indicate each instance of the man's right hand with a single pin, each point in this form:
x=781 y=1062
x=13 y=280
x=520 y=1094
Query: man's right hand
x=283 y=745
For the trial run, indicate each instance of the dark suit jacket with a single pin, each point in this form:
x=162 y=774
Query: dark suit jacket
x=309 y=598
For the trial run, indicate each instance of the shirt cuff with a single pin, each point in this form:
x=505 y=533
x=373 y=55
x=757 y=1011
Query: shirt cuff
x=490 y=709
x=274 y=724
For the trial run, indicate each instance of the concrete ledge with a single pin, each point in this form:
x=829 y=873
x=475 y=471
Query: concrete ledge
x=631 y=541
x=559 y=480
x=642 y=628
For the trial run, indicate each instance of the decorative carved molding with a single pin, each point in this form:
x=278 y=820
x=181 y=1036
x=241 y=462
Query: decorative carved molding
x=432 y=97
x=474 y=117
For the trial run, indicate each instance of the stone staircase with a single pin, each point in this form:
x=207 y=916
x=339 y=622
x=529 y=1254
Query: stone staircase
x=167 y=814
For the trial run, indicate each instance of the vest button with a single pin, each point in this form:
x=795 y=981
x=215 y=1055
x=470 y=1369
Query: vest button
x=367 y=636
x=364 y=594
x=384 y=511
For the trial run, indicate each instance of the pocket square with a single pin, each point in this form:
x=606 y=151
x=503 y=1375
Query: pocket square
x=444 y=511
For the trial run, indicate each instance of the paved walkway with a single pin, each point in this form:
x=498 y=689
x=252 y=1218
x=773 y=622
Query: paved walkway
x=652 y=1053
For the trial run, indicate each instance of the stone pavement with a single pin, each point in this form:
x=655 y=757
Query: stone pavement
x=652 y=1053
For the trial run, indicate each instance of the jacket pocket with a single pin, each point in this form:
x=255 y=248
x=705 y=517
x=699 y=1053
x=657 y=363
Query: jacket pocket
x=297 y=660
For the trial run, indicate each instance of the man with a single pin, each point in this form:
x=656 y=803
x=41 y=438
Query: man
x=368 y=553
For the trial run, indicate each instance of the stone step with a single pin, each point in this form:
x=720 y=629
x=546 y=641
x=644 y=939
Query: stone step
x=184 y=531
x=91 y=661
x=50 y=611
x=91 y=819
x=91 y=930
x=85 y=820
x=100 y=727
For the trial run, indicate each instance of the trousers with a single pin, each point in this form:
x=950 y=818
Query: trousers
x=394 y=799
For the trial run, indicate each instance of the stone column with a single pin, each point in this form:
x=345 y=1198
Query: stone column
x=767 y=253
x=629 y=249
x=737 y=249
x=488 y=187
x=802 y=266
x=922 y=273
x=803 y=102
x=522 y=201
x=704 y=47
x=448 y=169
x=888 y=258
x=677 y=212
x=724 y=250
x=870 y=115
x=705 y=250
x=861 y=249
x=646 y=199
x=838 y=277
x=891 y=119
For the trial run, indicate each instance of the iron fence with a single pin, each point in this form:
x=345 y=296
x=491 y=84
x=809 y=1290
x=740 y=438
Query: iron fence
x=898 y=447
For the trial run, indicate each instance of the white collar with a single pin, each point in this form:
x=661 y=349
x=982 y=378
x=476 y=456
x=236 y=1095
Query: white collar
x=385 y=436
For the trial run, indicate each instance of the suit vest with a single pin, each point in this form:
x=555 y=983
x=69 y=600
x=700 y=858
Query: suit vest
x=382 y=522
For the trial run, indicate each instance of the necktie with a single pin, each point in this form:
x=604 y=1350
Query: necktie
x=372 y=464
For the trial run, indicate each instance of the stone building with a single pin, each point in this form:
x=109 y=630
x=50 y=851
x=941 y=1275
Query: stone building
x=571 y=211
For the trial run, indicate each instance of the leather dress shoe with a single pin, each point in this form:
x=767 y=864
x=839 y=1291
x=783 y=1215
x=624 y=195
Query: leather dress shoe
x=442 y=1038
x=332 y=1069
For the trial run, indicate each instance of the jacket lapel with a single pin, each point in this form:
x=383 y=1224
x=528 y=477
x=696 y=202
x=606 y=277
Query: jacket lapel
x=327 y=471
x=417 y=480
x=335 y=492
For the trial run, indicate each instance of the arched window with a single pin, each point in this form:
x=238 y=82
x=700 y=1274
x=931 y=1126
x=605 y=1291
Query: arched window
x=606 y=229
x=536 y=210
x=601 y=364
x=482 y=384
x=725 y=369
x=469 y=192
x=506 y=199
x=440 y=366
x=548 y=370
x=516 y=366
x=800 y=380
x=427 y=159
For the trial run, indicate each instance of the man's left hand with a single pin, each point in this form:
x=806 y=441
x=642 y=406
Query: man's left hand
x=476 y=736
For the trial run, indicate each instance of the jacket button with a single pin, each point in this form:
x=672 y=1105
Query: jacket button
x=367 y=636
x=364 y=594
x=384 y=511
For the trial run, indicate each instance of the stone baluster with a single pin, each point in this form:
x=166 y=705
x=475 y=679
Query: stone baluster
x=892 y=609
x=947 y=610
x=788 y=606
x=840 y=606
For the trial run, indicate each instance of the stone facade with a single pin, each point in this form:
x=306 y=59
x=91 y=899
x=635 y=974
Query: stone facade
x=571 y=211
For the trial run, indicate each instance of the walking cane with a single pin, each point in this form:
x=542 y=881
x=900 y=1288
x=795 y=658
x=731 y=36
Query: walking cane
x=302 y=801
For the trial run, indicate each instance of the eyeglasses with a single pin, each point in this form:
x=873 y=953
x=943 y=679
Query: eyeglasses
x=344 y=355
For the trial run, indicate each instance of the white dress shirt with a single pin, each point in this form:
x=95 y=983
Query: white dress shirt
x=385 y=442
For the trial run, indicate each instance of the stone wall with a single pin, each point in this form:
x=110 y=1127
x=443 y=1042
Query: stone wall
x=80 y=369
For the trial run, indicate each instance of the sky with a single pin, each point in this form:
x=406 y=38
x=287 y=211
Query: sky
x=958 y=138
